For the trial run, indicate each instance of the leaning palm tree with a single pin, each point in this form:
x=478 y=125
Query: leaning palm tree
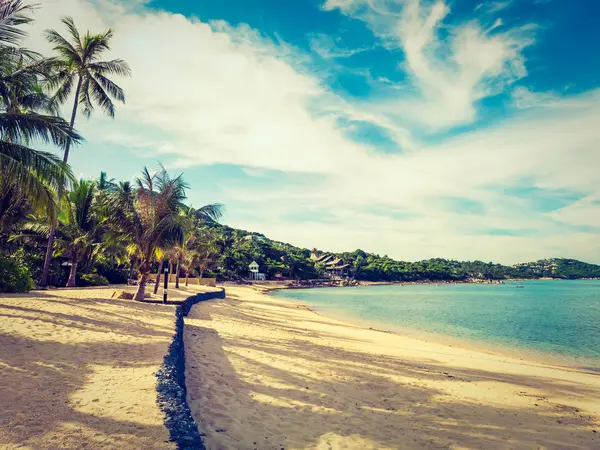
x=79 y=65
x=26 y=117
x=150 y=218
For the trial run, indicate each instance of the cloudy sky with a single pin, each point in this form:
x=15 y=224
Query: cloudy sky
x=467 y=129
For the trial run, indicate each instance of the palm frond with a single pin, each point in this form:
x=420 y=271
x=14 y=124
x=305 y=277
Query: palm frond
x=13 y=13
x=63 y=83
x=38 y=102
x=70 y=24
x=85 y=99
x=63 y=47
x=210 y=213
x=46 y=166
x=33 y=126
x=113 y=67
x=42 y=197
x=94 y=45
x=100 y=96
x=110 y=87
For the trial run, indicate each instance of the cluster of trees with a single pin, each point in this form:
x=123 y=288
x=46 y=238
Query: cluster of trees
x=98 y=231
x=49 y=220
x=377 y=268
x=237 y=249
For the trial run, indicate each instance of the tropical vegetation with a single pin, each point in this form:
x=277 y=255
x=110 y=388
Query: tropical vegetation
x=98 y=231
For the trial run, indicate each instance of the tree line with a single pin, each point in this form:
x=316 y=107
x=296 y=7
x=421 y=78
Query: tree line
x=50 y=221
x=54 y=228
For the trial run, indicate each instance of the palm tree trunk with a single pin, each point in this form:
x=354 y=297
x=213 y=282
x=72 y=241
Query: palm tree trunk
x=141 y=290
x=49 y=249
x=157 y=282
x=177 y=274
x=48 y=257
x=72 y=275
x=132 y=268
x=73 y=116
x=187 y=275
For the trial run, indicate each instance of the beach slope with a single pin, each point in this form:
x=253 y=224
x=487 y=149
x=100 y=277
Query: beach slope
x=271 y=374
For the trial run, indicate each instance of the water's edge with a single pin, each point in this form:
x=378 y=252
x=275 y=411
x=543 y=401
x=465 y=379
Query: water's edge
x=489 y=346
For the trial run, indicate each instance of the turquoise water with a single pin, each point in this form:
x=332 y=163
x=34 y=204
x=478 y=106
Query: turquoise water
x=553 y=318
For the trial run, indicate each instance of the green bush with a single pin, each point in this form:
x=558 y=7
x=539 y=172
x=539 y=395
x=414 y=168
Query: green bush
x=14 y=276
x=92 y=279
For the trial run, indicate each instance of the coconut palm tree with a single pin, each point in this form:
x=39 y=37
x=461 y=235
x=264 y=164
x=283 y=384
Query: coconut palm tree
x=150 y=218
x=25 y=118
x=199 y=253
x=192 y=239
x=80 y=234
x=79 y=64
x=190 y=220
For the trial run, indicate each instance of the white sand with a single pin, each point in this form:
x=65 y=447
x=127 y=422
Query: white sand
x=77 y=371
x=269 y=374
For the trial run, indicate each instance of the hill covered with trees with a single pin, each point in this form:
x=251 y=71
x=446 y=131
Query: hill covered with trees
x=238 y=248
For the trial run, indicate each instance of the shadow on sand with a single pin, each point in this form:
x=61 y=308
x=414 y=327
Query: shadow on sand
x=332 y=393
x=47 y=360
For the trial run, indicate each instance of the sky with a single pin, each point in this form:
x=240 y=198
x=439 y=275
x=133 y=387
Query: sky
x=463 y=129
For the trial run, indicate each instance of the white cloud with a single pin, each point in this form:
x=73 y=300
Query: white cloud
x=326 y=47
x=451 y=67
x=494 y=6
x=211 y=93
x=524 y=98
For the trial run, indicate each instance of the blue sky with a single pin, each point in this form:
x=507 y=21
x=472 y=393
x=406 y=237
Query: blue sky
x=463 y=129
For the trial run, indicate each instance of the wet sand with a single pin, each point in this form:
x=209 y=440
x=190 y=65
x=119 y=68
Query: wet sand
x=267 y=373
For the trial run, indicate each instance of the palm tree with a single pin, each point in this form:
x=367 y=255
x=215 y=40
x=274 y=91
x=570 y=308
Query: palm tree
x=79 y=64
x=80 y=235
x=150 y=218
x=206 y=251
x=26 y=172
x=192 y=240
x=190 y=220
x=80 y=232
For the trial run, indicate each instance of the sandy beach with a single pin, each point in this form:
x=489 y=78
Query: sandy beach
x=266 y=373
x=77 y=371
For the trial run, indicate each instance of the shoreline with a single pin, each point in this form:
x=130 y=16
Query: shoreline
x=258 y=356
x=321 y=284
x=527 y=355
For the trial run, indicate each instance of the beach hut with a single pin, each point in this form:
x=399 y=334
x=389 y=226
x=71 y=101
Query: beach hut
x=253 y=267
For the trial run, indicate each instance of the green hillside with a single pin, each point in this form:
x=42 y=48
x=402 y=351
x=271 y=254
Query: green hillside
x=238 y=248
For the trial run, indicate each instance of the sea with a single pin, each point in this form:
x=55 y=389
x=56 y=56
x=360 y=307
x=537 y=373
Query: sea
x=550 y=319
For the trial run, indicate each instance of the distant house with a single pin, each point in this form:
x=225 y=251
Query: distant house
x=254 y=272
x=321 y=259
x=334 y=267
